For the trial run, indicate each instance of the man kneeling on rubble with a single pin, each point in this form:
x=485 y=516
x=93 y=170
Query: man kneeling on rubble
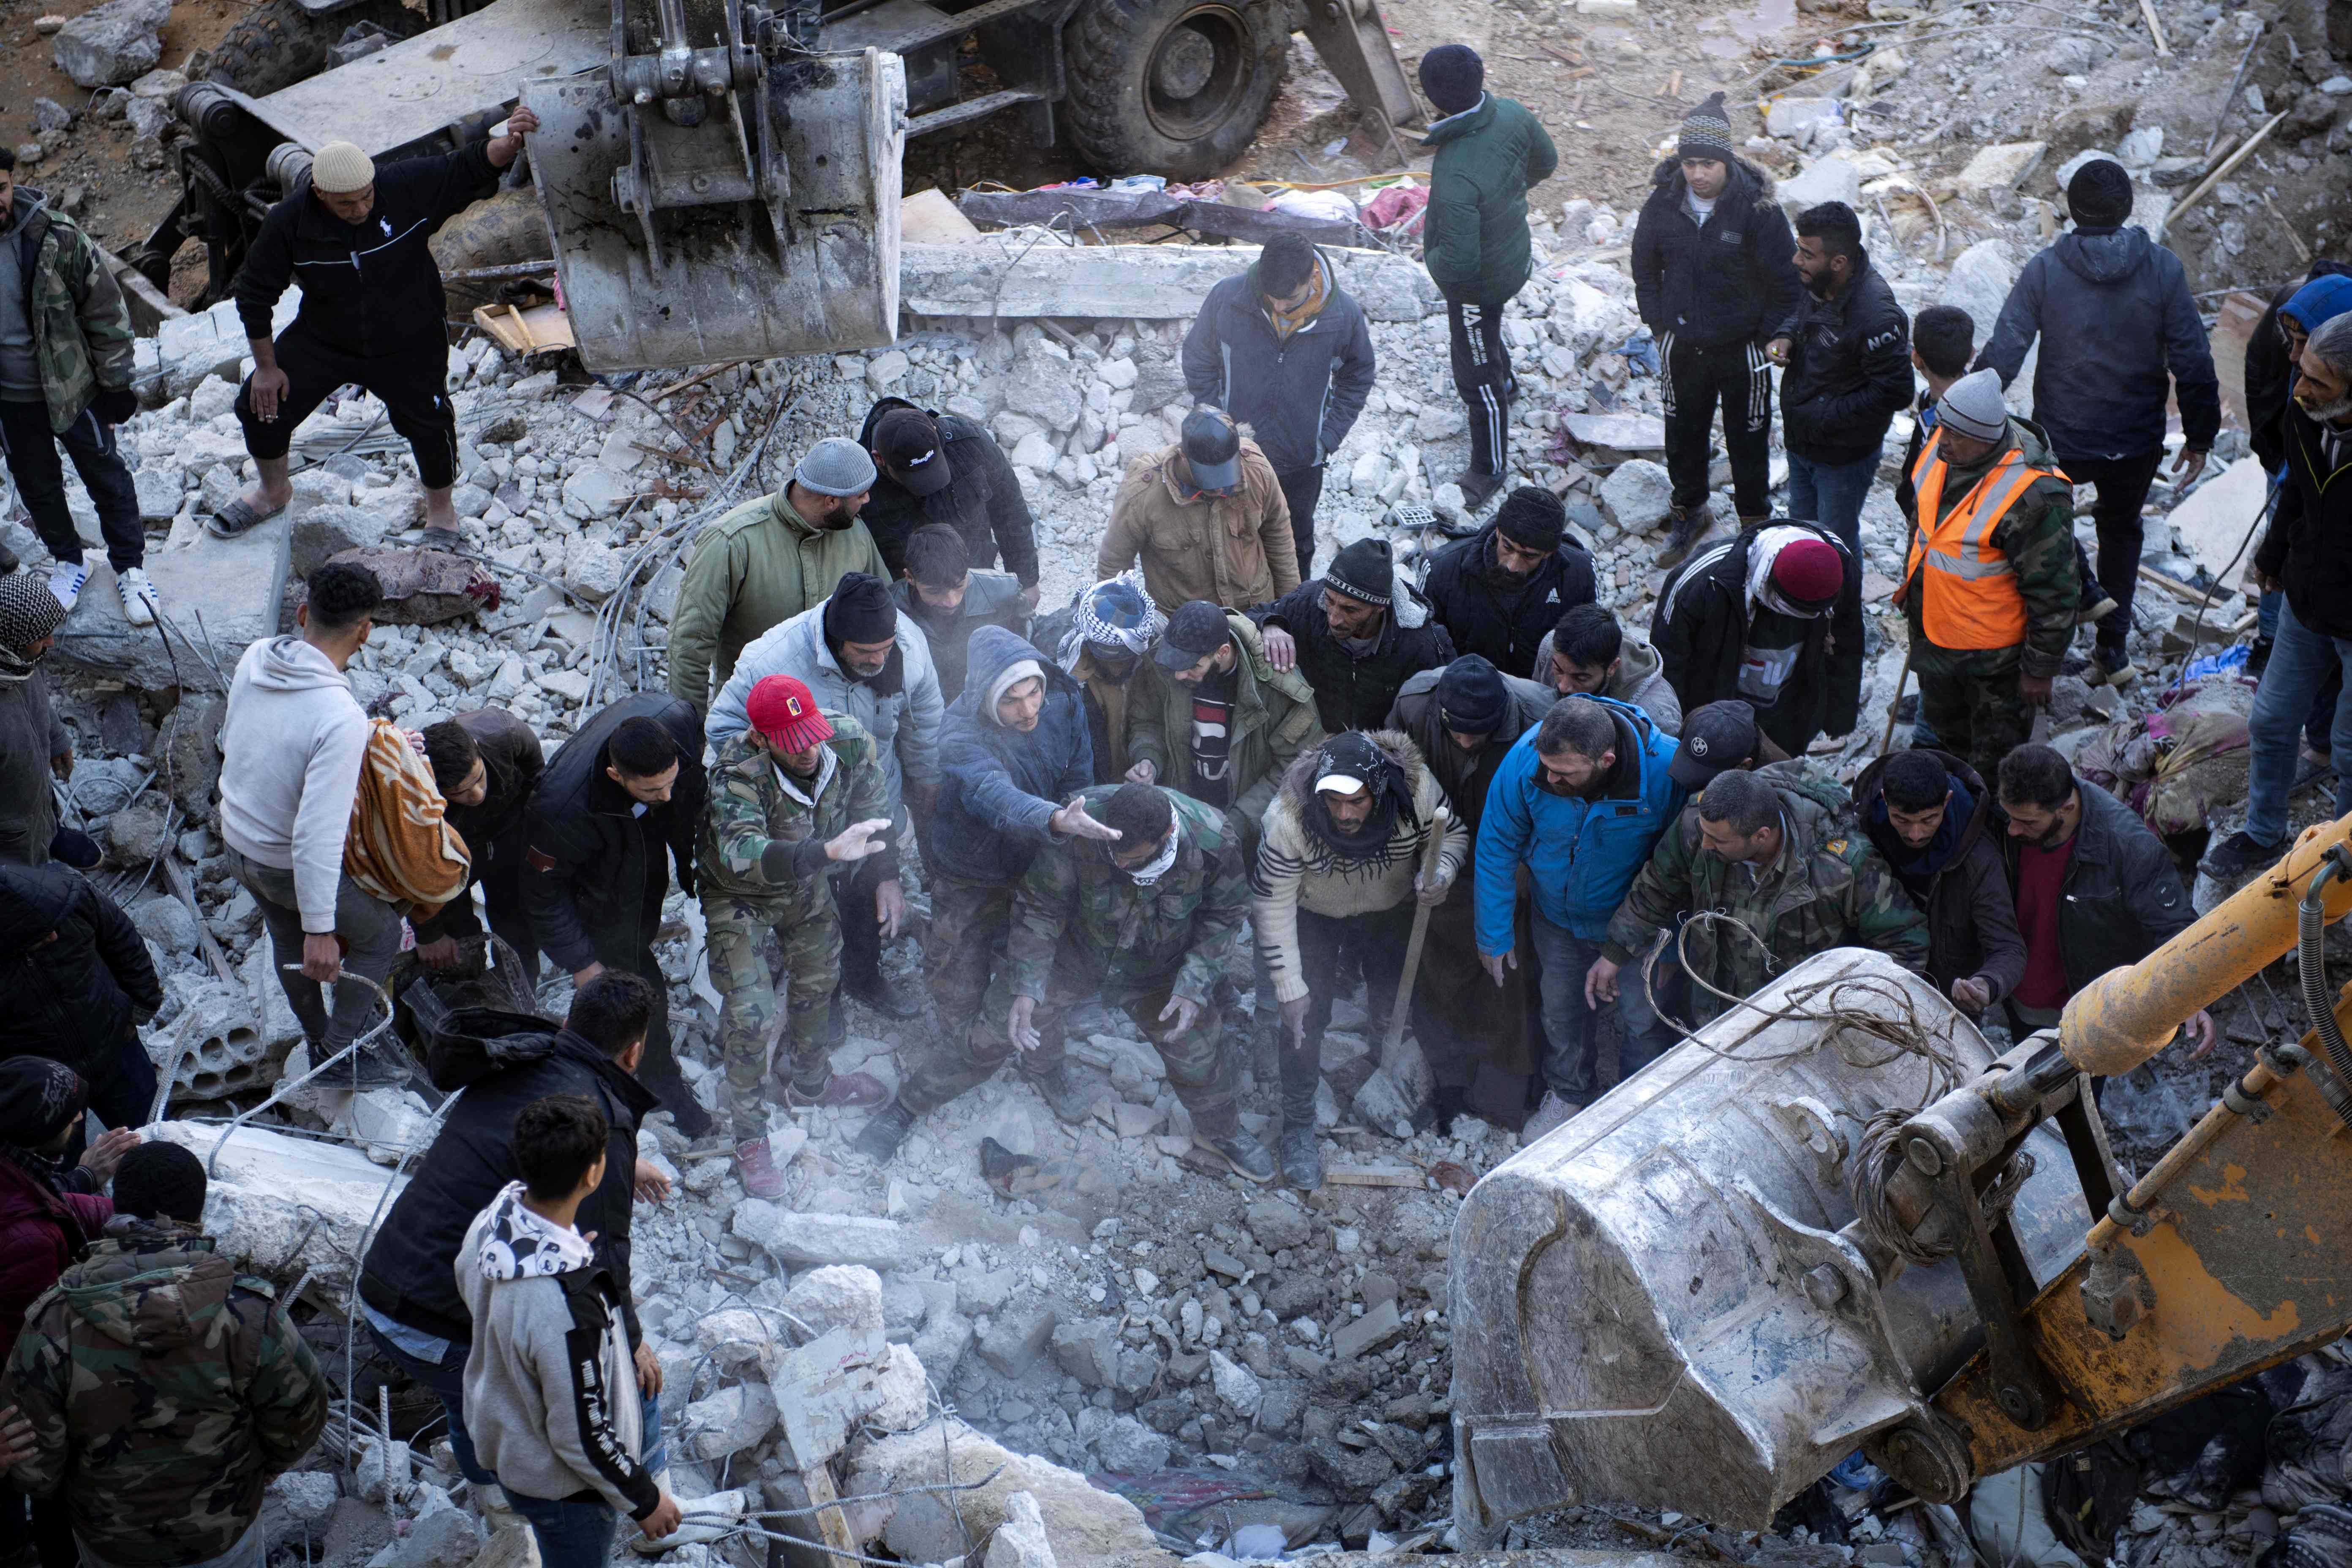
x=1148 y=919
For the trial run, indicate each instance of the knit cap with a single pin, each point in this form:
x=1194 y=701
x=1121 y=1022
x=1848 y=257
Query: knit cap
x=28 y=611
x=1809 y=571
x=2100 y=194
x=1364 y=571
x=1532 y=517
x=38 y=1099
x=1707 y=132
x=1471 y=696
x=860 y=611
x=1974 y=407
x=340 y=168
x=835 y=466
x=782 y=709
x=1453 y=77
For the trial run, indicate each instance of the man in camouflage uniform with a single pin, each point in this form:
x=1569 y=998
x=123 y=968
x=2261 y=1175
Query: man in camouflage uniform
x=1990 y=591
x=1148 y=919
x=164 y=1388
x=796 y=791
x=1769 y=851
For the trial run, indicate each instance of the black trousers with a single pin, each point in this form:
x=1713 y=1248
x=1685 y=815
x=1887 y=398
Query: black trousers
x=1301 y=490
x=414 y=385
x=52 y=1527
x=32 y=450
x=1332 y=950
x=1482 y=375
x=2122 y=485
x=498 y=868
x=1737 y=375
x=861 y=938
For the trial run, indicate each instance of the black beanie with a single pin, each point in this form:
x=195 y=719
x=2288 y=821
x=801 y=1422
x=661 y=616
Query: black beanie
x=1471 y=696
x=1364 y=571
x=1452 y=78
x=38 y=1099
x=860 y=611
x=2100 y=194
x=1533 y=517
x=1707 y=132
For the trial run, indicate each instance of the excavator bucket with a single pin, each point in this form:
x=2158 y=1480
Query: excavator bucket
x=718 y=192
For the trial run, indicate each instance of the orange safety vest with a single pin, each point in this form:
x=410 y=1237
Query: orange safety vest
x=1976 y=603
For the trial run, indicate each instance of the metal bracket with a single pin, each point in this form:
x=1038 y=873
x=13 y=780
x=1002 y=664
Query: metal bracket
x=1998 y=1278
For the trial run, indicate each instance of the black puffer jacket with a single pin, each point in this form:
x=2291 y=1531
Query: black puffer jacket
x=406 y=1275
x=983 y=502
x=1352 y=693
x=1848 y=370
x=74 y=971
x=594 y=873
x=1503 y=627
x=512 y=762
x=1700 y=630
x=1732 y=281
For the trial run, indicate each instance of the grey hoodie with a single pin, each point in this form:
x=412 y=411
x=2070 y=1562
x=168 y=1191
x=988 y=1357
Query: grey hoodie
x=551 y=1387
x=1641 y=679
x=291 y=751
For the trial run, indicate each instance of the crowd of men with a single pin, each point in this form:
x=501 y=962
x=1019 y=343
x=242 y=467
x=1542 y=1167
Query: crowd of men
x=1097 y=800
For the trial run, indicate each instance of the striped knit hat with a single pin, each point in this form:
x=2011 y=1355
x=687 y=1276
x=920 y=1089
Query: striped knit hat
x=1707 y=132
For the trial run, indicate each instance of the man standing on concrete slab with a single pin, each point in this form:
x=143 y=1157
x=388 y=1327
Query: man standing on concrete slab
x=2120 y=338
x=1588 y=654
x=1286 y=350
x=1772 y=615
x=1208 y=518
x=1849 y=372
x=65 y=380
x=618 y=804
x=1475 y=241
x=1715 y=283
x=486 y=763
x=1100 y=641
x=356 y=237
x=1357 y=634
x=35 y=747
x=944 y=470
x=1990 y=589
x=951 y=601
x=1149 y=920
x=291 y=746
x=766 y=562
x=1500 y=592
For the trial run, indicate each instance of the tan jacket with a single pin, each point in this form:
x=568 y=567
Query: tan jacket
x=757 y=567
x=1235 y=551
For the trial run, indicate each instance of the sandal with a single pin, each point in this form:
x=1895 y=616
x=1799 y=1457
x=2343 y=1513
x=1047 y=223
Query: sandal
x=237 y=518
x=447 y=539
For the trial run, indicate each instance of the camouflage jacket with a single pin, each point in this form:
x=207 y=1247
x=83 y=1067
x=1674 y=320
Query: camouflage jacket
x=2037 y=535
x=1177 y=931
x=164 y=1389
x=751 y=811
x=81 y=328
x=1826 y=887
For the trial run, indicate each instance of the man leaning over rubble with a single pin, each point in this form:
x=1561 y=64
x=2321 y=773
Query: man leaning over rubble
x=1338 y=873
x=165 y=1387
x=1356 y=633
x=407 y=1296
x=1148 y=919
x=486 y=763
x=1100 y=641
x=942 y=471
x=795 y=793
x=1772 y=615
x=1933 y=819
x=951 y=601
x=77 y=985
x=1588 y=654
x=1206 y=516
x=356 y=238
x=1501 y=591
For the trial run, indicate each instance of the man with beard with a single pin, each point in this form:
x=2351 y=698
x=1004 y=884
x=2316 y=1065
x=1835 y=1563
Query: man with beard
x=860 y=655
x=1356 y=633
x=1849 y=372
x=950 y=600
x=1499 y=592
x=768 y=560
x=944 y=470
x=1099 y=641
x=486 y=763
x=1932 y=820
x=1339 y=869
x=1483 y=1048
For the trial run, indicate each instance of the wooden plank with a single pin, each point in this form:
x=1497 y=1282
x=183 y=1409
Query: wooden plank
x=1371 y=1176
x=2154 y=27
x=187 y=896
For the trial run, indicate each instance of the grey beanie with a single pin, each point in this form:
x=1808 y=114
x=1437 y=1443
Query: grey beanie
x=1974 y=407
x=835 y=466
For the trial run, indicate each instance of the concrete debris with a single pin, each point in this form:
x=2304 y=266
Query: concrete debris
x=111 y=43
x=729 y=1421
x=1638 y=496
x=2000 y=169
x=805 y=1240
x=1020 y=1542
x=1146 y=282
x=215 y=1045
x=825 y=1388
x=1082 y=1524
x=290 y=1207
x=445 y=1539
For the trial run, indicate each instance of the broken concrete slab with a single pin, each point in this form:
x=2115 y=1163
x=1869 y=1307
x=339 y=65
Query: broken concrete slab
x=1147 y=282
x=2213 y=523
x=218 y=595
x=805 y=1240
x=1616 y=432
x=110 y=44
x=1999 y=168
x=285 y=1207
x=1084 y=1525
x=837 y=1297
x=189 y=349
x=1831 y=179
x=1020 y=1541
x=729 y=1421
x=824 y=1389
x=1016 y=1338
x=1375 y=1328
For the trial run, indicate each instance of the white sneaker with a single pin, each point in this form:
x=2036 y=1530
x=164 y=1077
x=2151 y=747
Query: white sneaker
x=1553 y=1113
x=139 y=604
x=65 y=581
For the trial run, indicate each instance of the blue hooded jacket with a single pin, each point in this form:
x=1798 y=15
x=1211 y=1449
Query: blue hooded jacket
x=1582 y=854
x=998 y=786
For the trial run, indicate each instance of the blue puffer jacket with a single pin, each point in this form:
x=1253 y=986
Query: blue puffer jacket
x=1584 y=854
x=997 y=785
x=2115 y=316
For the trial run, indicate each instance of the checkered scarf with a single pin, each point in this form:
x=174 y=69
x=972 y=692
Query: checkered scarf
x=29 y=612
x=1115 y=613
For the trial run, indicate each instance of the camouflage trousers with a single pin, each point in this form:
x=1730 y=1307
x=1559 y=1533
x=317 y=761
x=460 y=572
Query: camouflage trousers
x=1971 y=701
x=1195 y=1057
x=746 y=1011
x=969 y=923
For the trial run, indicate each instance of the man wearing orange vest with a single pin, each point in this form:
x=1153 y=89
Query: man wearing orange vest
x=1990 y=588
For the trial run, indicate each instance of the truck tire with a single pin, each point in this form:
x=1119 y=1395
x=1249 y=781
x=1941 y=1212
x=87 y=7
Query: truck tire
x=277 y=44
x=1171 y=87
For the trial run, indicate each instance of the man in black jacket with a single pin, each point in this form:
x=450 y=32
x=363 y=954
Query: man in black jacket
x=942 y=467
x=1714 y=282
x=1849 y=372
x=75 y=984
x=372 y=311
x=1499 y=592
x=943 y=594
x=408 y=1292
x=1773 y=617
x=1357 y=634
x=487 y=764
x=626 y=788
x=1286 y=350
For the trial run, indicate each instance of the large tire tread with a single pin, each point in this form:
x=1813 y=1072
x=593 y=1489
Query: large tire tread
x=1104 y=48
x=276 y=45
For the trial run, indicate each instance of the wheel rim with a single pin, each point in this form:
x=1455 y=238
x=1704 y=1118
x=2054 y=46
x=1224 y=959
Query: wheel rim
x=1198 y=72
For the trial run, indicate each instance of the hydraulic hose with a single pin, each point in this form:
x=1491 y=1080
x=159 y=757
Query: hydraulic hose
x=2311 y=941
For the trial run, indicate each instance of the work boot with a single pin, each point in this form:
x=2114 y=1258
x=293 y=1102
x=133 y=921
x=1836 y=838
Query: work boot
x=1302 y=1160
x=841 y=1091
x=2234 y=857
x=659 y=1073
x=2110 y=668
x=1477 y=489
x=1070 y=1093
x=1682 y=530
x=882 y=1136
x=755 y=1167
x=1245 y=1154
x=884 y=994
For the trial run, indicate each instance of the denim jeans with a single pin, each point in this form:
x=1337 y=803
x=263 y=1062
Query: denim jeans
x=1572 y=1030
x=1831 y=494
x=2300 y=662
x=445 y=1378
x=571 y=1532
x=2266 y=609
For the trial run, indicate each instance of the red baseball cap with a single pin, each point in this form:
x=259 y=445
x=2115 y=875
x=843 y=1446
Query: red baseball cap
x=782 y=709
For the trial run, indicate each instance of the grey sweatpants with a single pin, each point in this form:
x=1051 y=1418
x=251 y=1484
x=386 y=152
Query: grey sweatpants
x=370 y=930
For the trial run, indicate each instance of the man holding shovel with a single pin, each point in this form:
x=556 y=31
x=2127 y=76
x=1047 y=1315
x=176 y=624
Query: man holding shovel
x=1339 y=866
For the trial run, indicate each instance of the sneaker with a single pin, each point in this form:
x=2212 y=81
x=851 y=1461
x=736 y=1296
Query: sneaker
x=370 y=1067
x=2237 y=854
x=1476 y=489
x=1682 y=530
x=1073 y=1098
x=1245 y=1154
x=1553 y=1113
x=881 y=1137
x=2115 y=669
x=138 y=596
x=65 y=581
x=884 y=995
x=1302 y=1161
x=755 y=1167
x=841 y=1091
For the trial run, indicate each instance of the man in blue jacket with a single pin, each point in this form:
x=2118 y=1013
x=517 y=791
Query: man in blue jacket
x=1285 y=349
x=2115 y=316
x=1581 y=799
x=1012 y=746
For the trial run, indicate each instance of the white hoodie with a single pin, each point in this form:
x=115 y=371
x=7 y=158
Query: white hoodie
x=291 y=751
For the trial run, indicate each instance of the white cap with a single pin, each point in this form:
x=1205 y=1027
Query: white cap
x=1339 y=784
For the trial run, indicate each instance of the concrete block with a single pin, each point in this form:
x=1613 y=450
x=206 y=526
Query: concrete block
x=1083 y=1524
x=270 y=1192
x=729 y=1421
x=1147 y=282
x=1829 y=179
x=1637 y=496
x=1375 y=1328
x=1020 y=1541
x=824 y=1389
x=2212 y=523
x=1016 y=1338
x=1999 y=168
x=837 y=1297
x=218 y=595
x=806 y=1240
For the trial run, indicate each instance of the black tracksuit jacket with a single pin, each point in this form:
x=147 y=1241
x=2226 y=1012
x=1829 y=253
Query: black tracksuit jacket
x=1732 y=281
x=1848 y=370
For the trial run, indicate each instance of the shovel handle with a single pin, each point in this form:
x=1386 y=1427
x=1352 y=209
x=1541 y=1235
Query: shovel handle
x=1389 y=1045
